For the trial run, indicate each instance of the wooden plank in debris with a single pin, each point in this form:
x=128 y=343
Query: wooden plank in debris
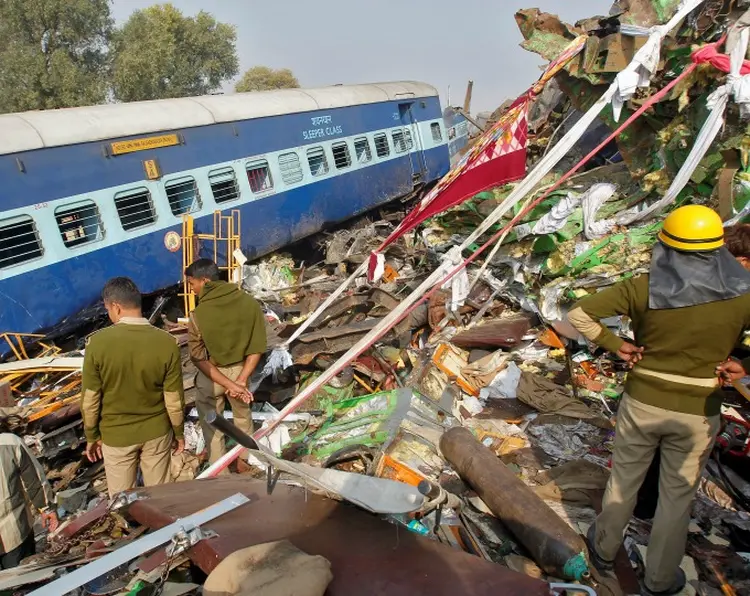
x=6 y=395
x=51 y=364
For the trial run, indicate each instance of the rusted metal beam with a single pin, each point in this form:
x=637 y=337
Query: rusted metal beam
x=500 y=333
x=555 y=547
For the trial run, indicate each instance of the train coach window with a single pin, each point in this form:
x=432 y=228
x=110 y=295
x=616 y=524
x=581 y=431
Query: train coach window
x=19 y=241
x=223 y=184
x=291 y=168
x=409 y=140
x=399 y=144
x=182 y=195
x=316 y=157
x=341 y=157
x=437 y=134
x=79 y=223
x=134 y=208
x=259 y=176
x=381 y=145
x=362 y=150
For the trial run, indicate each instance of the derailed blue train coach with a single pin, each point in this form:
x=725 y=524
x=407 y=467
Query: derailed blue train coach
x=96 y=192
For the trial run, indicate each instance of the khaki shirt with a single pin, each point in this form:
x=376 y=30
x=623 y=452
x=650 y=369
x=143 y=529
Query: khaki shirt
x=22 y=483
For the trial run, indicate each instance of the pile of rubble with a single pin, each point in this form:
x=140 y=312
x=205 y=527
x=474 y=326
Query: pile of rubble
x=496 y=363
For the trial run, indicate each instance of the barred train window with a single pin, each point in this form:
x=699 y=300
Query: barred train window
x=437 y=134
x=79 y=223
x=135 y=209
x=409 y=141
x=19 y=241
x=291 y=168
x=223 y=184
x=362 y=150
x=341 y=156
x=259 y=176
x=399 y=144
x=381 y=145
x=316 y=158
x=183 y=195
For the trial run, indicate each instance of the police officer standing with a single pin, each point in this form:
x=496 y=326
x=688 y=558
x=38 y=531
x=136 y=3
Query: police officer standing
x=132 y=399
x=226 y=338
x=687 y=315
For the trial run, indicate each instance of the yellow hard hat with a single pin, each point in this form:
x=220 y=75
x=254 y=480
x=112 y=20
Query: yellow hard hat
x=693 y=228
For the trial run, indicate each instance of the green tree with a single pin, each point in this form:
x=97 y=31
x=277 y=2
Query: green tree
x=161 y=53
x=53 y=53
x=262 y=78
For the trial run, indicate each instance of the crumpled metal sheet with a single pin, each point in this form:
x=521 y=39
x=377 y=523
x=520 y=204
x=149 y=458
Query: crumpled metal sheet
x=645 y=13
x=544 y=33
x=501 y=333
x=368 y=555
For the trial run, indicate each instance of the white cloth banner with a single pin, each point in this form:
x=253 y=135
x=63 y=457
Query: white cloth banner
x=459 y=283
x=646 y=59
x=591 y=201
x=717 y=103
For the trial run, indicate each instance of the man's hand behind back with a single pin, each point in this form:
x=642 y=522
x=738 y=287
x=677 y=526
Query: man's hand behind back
x=730 y=371
x=240 y=392
x=631 y=354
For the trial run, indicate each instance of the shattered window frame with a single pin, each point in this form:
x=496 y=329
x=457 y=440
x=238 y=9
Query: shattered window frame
x=382 y=146
x=320 y=159
x=259 y=176
x=437 y=134
x=362 y=150
x=135 y=208
x=342 y=158
x=224 y=185
x=183 y=195
x=79 y=223
x=291 y=168
x=27 y=236
x=399 y=141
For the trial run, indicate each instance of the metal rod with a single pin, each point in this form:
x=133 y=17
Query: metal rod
x=87 y=573
x=228 y=428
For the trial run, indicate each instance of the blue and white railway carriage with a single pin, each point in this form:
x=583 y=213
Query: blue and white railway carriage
x=91 y=193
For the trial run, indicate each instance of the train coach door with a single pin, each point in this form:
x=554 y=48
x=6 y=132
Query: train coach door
x=414 y=143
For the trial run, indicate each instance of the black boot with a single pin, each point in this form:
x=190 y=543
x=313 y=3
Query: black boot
x=601 y=564
x=677 y=586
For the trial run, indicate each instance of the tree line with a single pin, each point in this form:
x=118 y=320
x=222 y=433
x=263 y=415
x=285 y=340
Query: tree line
x=68 y=53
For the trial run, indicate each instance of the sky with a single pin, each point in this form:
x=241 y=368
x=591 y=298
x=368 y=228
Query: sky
x=441 y=42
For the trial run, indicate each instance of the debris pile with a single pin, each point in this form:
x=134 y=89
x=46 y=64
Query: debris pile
x=477 y=425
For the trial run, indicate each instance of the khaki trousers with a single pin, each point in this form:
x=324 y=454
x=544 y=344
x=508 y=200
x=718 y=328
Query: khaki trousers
x=121 y=464
x=211 y=397
x=686 y=441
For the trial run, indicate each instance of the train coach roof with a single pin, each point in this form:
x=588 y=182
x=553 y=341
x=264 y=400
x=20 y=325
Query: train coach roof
x=26 y=131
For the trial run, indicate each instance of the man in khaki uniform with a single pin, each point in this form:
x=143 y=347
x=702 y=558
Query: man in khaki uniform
x=687 y=315
x=22 y=483
x=226 y=338
x=132 y=396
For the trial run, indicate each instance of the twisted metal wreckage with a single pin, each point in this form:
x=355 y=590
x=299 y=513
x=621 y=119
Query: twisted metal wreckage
x=395 y=444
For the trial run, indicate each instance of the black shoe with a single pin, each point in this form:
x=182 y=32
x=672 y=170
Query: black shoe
x=601 y=564
x=678 y=585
